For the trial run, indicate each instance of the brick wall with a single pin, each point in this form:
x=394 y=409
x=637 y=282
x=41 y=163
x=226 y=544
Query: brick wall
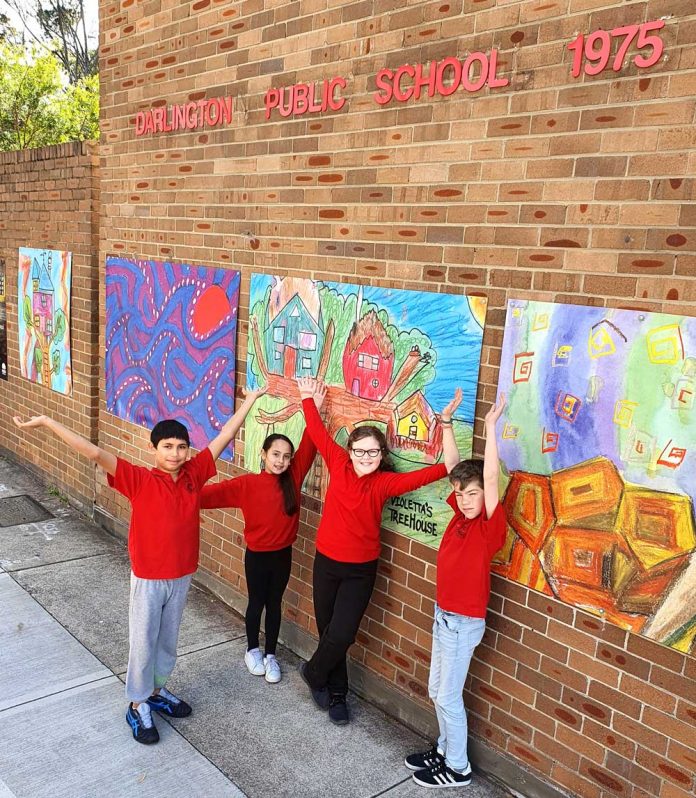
x=48 y=200
x=553 y=188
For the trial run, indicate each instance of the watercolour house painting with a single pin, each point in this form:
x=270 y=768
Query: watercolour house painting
x=43 y=294
x=390 y=358
x=598 y=444
x=170 y=344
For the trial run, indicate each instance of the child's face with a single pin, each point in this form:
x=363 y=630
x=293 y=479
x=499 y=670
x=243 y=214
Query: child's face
x=469 y=498
x=365 y=455
x=171 y=454
x=278 y=457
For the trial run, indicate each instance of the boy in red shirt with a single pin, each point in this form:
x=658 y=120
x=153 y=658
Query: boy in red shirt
x=475 y=533
x=163 y=541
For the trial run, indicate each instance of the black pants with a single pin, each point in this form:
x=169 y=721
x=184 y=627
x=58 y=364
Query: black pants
x=267 y=575
x=342 y=592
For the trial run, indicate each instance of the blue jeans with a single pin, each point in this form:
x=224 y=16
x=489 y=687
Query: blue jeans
x=454 y=639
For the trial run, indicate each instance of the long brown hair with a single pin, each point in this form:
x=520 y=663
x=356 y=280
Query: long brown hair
x=368 y=431
x=290 y=502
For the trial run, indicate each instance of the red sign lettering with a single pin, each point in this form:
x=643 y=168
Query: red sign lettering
x=591 y=55
x=303 y=98
x=441 y=77
x=189 y=116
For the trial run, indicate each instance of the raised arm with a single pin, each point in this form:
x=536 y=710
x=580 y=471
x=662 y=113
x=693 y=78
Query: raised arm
x=232 y=426
x=327 y=446
x=77 y=443
x=490 y=457
x=304 y=455
x=449 y=444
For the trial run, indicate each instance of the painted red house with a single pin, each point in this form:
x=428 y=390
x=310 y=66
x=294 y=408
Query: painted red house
x=368 y=359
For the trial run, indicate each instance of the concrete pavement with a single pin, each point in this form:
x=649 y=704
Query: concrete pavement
x=63 y=655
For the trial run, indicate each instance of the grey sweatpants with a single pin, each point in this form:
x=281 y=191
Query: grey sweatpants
x=154 y=617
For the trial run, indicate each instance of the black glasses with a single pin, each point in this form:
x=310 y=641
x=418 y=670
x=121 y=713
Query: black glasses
x=368 y=452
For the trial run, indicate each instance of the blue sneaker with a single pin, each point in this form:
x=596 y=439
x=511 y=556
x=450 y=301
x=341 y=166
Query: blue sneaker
x=168 y=704
x=141 y=723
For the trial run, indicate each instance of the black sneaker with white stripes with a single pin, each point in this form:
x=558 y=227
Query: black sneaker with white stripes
x=424 y=760
x=441 y=776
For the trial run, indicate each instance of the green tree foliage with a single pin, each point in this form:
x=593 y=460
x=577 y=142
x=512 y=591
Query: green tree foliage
x=63 y=33
x=61 y=327
x=37 y=104
x=28 y=315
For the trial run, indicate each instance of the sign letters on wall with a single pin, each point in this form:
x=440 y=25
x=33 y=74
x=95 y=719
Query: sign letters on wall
x=592 y=54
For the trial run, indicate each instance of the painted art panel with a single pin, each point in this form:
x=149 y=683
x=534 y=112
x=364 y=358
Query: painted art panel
x=3 y=321
x=170 y=344
x=43 y=305
x=598 y=444
x=390 y=358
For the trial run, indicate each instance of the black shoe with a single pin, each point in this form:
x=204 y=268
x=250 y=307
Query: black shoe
x=168 y=704
x=425 y=760
x=320 y=695
x=140 y=721
x=338 y=709
x=442 y=776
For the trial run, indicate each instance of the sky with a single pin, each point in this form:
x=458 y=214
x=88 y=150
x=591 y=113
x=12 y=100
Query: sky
x=91 y=13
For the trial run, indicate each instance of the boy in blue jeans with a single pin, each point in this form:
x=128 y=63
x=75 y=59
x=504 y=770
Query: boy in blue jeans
x=163 y=543
x=475 y=533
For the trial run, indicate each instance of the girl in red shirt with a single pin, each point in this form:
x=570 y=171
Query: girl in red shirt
x=270 y=503
x=348 y=542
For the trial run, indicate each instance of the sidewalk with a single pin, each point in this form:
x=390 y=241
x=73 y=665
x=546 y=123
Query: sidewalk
x=63 y=653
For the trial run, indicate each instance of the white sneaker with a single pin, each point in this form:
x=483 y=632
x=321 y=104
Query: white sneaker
x=254 y=661
x=273 y=675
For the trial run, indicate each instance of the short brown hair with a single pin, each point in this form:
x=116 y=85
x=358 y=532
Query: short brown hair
x=466 y=472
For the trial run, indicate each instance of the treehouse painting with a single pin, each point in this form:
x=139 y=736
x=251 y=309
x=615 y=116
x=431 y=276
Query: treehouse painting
x=598 y=444
x=390 y=358
x=43 y=305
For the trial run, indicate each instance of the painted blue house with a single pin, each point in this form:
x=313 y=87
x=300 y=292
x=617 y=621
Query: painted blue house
x=294 y=341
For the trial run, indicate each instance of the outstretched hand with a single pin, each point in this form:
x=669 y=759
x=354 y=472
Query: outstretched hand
x=307 y=387
x=253 y=393
x=495 y=411
x=449 y=409
x=34 y=421
x=320 y=393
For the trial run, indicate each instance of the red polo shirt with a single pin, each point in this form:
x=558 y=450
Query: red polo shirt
x=349 y=527
x=464 y=560
x=267 y=527
x=163 y=538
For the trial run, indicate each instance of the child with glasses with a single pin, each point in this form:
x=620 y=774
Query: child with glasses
x=475 y=533
x=270 y=504
x=348 y=544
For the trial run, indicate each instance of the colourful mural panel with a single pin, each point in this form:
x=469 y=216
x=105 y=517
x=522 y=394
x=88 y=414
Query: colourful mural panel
x=43 y=305
x=390 y=358
x=170 y=344
x=598 y=445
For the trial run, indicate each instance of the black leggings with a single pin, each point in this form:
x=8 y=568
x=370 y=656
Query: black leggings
x=267 y=575
x=342 y=592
